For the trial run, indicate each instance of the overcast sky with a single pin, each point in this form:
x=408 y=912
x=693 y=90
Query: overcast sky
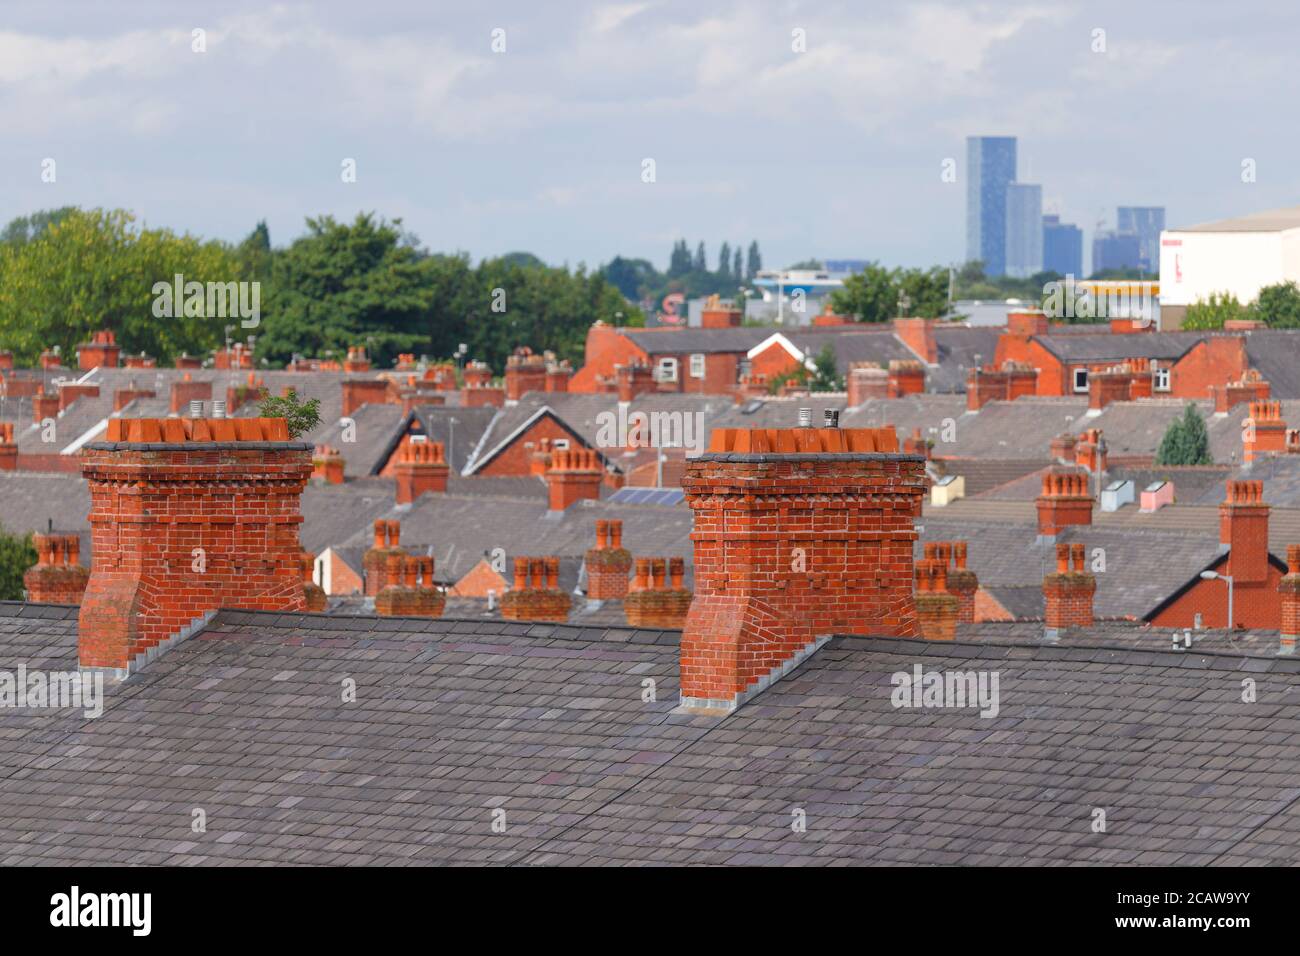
x=833 y=152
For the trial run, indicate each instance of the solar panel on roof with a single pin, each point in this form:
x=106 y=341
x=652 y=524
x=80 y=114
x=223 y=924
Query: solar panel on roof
x=648 y=496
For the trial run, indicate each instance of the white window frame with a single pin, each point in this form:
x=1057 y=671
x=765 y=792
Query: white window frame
x=697 y=365
x=666 y=370
x=560 y=444
x=1074 y=375
x=1162 y=379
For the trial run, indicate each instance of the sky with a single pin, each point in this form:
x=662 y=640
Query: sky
x=835 y=150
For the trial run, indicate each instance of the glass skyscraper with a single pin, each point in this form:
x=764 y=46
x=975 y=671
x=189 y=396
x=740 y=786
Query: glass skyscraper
x=990 y=168
x=1145 y=222
x=1062 y=247
x=1024 y=230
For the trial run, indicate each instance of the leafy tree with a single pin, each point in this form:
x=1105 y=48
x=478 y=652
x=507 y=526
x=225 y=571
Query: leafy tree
x=724 y=260
x=1186 y=441
x=1213 y=312
x=1278 y=306
x=700 y=263
x=754 y=262
x=301 y=417
x=971 y=273
x=16 y=556
x=255 y=254
x=737 y=268
x=347 y=284
x=680 y=261
x=94 y=269
x=26 y=228
x=825 y=377
x=635 y=278
x=872 y=295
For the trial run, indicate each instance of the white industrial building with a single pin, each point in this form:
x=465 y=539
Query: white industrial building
x=1239 y=256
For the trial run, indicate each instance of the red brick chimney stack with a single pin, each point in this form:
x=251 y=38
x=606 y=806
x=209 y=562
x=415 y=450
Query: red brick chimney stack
x=1264 y=432
x=411 y=590
x=1064 y=501
x=608 y=563
x=866 y=380
x=1289 y=588
x=327 y=465
x=421 y=467
x=313 y=593
x=1243 y=527
x=773 y=576
x=936 y=610
x=57 y=577
x=44 y=406
x=905 y=377
x=962 y=584
x=632 y=380
x=188 y=516
x=102 y=351
x=187 y=390
x=388 y=543
x=8 y=447
x=525 y=372
x=1069 y=592
x=658 y=603
x=536 y=594
x=1006 y=384
x=918 y=335
x=574 y=475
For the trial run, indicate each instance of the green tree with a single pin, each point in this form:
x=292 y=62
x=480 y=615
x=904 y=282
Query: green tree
x=26 y=228
x=679 y=263
x=347 y=284
x=872 y=295
x=95 y=269
x=1211 y=313
x=724 y=261
x=1186 y=441
x=737 y=267
x=16 y=556
x=754 y=262
x=635 y=278
x=1278 y=306
x=825 y=377
x=301 y=417
x=700 y=263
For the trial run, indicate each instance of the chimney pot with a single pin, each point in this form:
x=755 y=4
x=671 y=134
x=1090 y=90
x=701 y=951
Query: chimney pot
x=196 y=408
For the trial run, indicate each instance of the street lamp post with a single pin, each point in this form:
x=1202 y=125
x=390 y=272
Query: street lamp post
x=1210 y=576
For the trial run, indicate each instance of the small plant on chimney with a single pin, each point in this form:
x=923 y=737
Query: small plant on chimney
x=299 y=416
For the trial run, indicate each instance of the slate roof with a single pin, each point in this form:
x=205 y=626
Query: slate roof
x=1105 y=346
x=1275 y=353
x=376 y=433
x=1142 y=567
x=859 y=344
x=580 y=412
x=1022 y=429
x=462 y=528
x=456 y=719
x=331 y=514
x=678 y=341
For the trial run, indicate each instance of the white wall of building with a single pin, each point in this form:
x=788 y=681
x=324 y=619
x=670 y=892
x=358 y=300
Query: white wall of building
x=1193 y=265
